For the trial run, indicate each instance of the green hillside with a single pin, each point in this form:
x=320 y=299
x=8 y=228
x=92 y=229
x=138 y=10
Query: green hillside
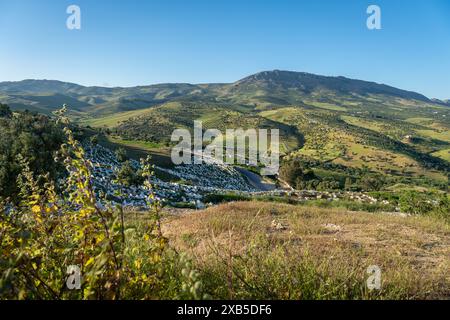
x=332 y=122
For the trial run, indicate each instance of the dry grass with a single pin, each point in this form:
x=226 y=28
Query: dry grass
x=266 y=250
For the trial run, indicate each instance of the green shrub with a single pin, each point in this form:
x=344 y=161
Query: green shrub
x=291 y=172
x=425 y=203
x=128 y=176
x=5 y=111
x=48 y=232
x=415 y=202
x=34 y=137
x=121 y=155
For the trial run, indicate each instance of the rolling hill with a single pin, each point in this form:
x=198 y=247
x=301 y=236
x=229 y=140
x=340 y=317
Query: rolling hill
x=264 y=88
x=335 y=121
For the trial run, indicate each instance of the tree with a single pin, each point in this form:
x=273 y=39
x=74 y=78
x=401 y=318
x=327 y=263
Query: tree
x=348 y=184
x=5 y=111
x=121 y=155
x=415 y=202
x=129 y=176
x=291 y=171
x=33 y=137
x=94 y=139
x=371 y=183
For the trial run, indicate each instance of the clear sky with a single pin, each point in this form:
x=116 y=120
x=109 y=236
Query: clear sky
x=137 y=42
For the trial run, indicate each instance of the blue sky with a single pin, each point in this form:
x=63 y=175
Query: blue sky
x=136 y=42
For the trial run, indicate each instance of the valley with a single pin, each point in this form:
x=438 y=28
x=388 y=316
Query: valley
x=398 y=134
x=363 y=179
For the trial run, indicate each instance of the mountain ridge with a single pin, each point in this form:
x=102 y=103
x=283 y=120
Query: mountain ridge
x=264 y=89
x=321 y=79
x=4 y=84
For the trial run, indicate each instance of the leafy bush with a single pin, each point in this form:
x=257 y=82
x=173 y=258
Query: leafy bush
x=128 y=176
x=94 y=139
x=5 y=111
x=430 y=203
x=34 y=137
x=121 y=155
x=371 y=182
x=296 y=176
x=291 y=171
x=225 y=197
x=48 y=232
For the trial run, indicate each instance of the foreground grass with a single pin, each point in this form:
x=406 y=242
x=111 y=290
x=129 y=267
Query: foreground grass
x=259 y=250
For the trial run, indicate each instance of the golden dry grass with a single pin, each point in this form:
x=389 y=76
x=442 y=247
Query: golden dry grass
x=412 y=252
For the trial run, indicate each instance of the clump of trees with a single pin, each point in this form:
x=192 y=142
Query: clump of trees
x=291 y=172
x=5 y=111
x=299 y=175
x=31 y=136
x=425 y=203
